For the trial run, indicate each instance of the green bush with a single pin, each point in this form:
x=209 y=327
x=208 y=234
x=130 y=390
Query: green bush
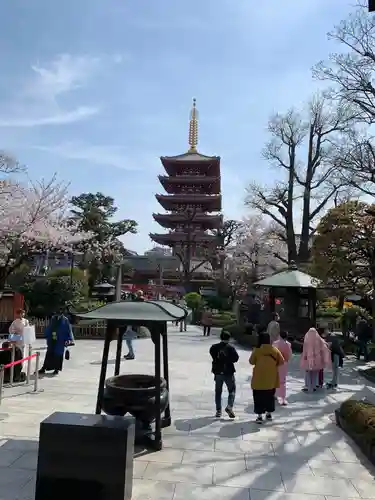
x=241 y=335
x=359 y=417
x=224 y=318
x=87 y=305
x=329 y=312
x=193 y=300
x=46 y=296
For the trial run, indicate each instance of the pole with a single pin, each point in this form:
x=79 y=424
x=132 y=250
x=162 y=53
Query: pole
x=161 y=282
x=13 y=357
x=118 y=283
x=36 y=380
x=1 y=381
x=29 y=365
x=71 y=270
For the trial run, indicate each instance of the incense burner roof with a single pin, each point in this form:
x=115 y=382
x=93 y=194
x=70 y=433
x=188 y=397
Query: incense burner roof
x=147 y=311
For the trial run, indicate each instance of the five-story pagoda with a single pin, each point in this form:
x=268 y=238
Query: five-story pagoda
x=193 y=202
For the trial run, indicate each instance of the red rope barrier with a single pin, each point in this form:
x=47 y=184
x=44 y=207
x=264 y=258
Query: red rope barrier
x=20 y=361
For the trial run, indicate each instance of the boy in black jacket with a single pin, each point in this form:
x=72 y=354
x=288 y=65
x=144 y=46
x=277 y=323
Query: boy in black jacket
x=224 y=356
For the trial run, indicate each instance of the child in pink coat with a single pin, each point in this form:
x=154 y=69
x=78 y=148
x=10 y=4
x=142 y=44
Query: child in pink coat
x=286 y=350
x=315 y=356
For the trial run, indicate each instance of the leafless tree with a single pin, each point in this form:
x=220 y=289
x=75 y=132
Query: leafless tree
x=356 y=161
x=185 y=250
x=302 y=148
x=352 y=71
x=9 y=164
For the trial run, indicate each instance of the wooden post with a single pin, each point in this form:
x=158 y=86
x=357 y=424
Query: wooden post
x=103 y=370
x=158 y=440
x=167 y=414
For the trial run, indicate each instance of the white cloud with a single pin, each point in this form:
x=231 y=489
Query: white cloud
x=61 y=118
x=113 y=156
x=65 y=74
x=38 y=103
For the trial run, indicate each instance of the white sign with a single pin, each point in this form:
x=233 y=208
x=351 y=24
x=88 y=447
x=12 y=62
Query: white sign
x=29 y=335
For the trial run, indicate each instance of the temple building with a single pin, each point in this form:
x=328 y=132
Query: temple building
x=192 y=201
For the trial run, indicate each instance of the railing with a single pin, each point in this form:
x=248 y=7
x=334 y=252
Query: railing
x=14 y=363
x=90 y=331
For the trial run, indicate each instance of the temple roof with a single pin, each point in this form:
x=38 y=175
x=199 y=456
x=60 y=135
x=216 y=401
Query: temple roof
x=210 y=185
x=289 y=278
x=169 y=220
x=175 y=237
x=190 y=157
x=211 y=202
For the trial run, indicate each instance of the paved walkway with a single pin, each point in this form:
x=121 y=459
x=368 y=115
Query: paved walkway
x=301 y=455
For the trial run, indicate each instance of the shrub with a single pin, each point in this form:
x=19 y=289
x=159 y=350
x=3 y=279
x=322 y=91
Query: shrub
x=357 y=418
x=328 y=312
x=239 y=334
x=193 y=300
x=224 y=318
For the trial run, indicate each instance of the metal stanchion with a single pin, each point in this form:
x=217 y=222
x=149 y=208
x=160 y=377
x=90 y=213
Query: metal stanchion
x=13 y=357
x=36 y=380
x=29 y=361
x=1 y=381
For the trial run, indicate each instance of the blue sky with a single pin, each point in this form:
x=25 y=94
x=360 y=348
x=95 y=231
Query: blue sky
x=97 y=90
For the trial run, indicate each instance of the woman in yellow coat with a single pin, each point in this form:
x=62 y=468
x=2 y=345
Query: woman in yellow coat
x=265 y=380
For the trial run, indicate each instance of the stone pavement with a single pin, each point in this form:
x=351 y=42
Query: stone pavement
x=301 y=455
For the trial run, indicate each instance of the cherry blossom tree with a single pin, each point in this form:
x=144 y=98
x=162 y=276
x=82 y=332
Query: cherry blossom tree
x=33 y=219
x=257 y=251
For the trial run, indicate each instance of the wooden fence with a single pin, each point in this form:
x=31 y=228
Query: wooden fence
x=90 y=331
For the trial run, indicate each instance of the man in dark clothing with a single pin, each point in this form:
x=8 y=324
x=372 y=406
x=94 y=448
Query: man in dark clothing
x=224 y=356
x=363 y=332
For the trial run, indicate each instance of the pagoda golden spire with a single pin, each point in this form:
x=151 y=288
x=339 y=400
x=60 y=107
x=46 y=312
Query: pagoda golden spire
x=193 y=128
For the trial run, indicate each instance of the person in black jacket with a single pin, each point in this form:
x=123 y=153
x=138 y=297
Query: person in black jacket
x=224 y=356
x=363 y=332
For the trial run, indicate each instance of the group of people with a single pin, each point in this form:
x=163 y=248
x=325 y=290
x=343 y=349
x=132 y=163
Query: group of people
x=270 y=361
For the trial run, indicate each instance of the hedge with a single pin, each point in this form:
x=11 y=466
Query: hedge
x=357 y=419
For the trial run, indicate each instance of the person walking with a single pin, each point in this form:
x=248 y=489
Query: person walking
x=207 y=322
x=266 y=360
x=59 y=336
x=129 y=335
x=16 y=329
x=363 y=334
x=286 y=351
x=183 y=322
x=224 y=356
x=337 y=358
x=273 y=328
x=315 y=356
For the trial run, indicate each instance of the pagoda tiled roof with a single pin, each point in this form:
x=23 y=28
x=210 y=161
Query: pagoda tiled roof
x=210 y=184
x=211 y=202
x=174 y=237
x=190 y=157
x=168 y=220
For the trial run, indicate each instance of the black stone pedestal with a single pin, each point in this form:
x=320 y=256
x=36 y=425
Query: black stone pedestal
x=85 y=457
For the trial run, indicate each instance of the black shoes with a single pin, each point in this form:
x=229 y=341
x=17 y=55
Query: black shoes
x=230 y=412
x=128 y=357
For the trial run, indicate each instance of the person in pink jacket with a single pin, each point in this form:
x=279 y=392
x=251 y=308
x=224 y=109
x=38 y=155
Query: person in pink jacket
x=286 y=350
x=315 y=356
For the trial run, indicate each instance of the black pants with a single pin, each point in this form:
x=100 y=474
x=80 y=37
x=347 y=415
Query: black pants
x=206 y=330
x=362 y=349
x=230 y=382
x=264 y=401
